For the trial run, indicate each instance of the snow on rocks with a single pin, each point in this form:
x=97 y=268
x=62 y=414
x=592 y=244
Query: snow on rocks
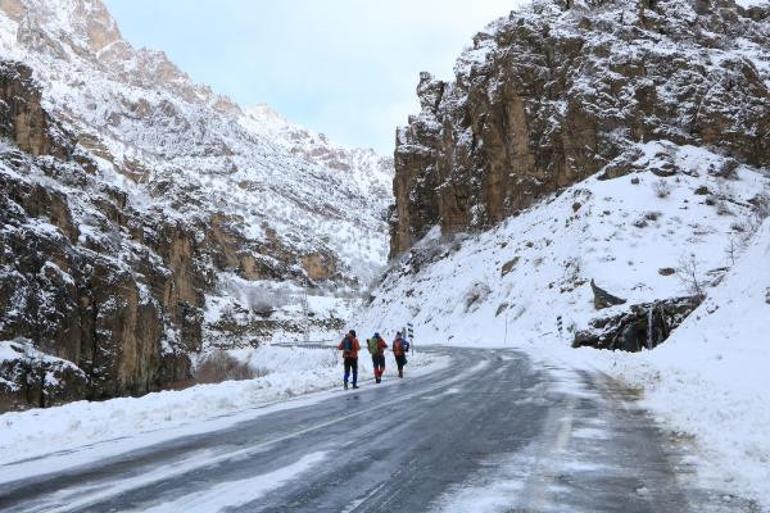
x=31 y=376
x=151 y=193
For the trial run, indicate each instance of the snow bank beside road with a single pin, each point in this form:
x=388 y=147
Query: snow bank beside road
x=711 y=377
x=290 y=372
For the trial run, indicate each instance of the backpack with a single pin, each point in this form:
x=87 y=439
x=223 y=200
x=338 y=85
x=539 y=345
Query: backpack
x=347 y=345
x=405 y=345
x=372 y=344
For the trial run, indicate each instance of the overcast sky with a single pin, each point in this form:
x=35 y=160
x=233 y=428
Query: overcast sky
x=347 y=68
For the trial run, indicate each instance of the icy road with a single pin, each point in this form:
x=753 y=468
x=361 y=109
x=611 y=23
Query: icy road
x=490 y=432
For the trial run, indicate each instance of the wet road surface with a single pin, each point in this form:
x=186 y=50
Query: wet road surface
x=489 y=432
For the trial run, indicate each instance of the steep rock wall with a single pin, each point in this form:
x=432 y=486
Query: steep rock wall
x=107 y=300
x=551 y=94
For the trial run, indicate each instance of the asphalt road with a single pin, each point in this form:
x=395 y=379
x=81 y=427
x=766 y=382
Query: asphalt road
x=488 y=433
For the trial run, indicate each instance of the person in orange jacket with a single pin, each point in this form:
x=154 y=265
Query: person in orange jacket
x=377 y=346
x=350 y=348
x=400 y=347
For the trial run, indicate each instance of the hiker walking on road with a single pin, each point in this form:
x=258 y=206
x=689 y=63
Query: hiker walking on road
x=350 y=348
x=400 y=348
x=377 y=347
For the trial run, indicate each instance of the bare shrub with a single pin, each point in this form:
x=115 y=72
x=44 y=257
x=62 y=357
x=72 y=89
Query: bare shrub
x=690 y=275
x=264 y=301
x=652 y=216
x=722 y=208
x=724 y=196
x=732 y=250
x=661 y=188
x=221 y=366
x=761 y=206
x=728 y=169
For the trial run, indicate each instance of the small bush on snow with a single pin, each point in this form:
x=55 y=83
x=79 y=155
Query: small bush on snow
x=221 y=366
x=661 y=188
x=761 y=205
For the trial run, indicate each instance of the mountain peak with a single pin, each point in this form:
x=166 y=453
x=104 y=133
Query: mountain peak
x=87 y=21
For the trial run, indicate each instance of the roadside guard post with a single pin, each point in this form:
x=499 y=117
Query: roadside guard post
x=410 y=336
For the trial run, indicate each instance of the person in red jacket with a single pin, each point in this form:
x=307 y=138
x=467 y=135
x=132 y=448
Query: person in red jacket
x=350 y=348
x=400 y=347
x=377 y=346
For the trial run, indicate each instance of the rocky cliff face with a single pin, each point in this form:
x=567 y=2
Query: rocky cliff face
x=556 y=92
x=83 y=276
x=144 y=220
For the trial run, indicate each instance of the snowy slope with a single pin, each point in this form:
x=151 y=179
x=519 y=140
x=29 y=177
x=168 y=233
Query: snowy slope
x=711 y=378
x=506 y=287
x=372 y=172
x=534 y=267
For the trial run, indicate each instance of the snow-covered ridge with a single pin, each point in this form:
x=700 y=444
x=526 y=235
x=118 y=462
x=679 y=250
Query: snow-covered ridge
x=548 y=95
x=371 y=171
x=178 y=222
x=145 y=118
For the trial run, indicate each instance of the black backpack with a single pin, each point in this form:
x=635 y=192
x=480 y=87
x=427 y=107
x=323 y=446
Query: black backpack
x=347 y=344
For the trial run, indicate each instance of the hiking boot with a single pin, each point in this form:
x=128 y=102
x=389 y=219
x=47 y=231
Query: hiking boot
x=355 y=386
x=400 y=374
x=346 y=385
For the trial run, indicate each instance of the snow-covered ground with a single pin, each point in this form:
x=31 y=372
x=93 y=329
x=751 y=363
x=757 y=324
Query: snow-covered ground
x=711 y=378
x=508 y=287
x=118 y=425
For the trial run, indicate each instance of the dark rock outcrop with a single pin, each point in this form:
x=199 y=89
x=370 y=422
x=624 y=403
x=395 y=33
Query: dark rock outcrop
x=94 y=299
x=643 y=326
x=103 y=315
x=31 y=377
x=603 y=299
x=561 y=90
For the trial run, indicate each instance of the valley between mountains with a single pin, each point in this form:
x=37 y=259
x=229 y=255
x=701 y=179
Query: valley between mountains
x=575 y=227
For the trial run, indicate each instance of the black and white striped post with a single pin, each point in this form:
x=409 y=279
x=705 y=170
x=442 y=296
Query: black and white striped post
x=410 y=335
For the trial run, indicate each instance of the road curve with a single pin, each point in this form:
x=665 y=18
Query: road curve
x=490 y=432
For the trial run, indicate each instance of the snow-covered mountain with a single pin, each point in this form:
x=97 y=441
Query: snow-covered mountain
x=596 y=169
x=583 y=146
x=372 y=172
x=146 y=218
x=551 y=94
x=596 y=141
